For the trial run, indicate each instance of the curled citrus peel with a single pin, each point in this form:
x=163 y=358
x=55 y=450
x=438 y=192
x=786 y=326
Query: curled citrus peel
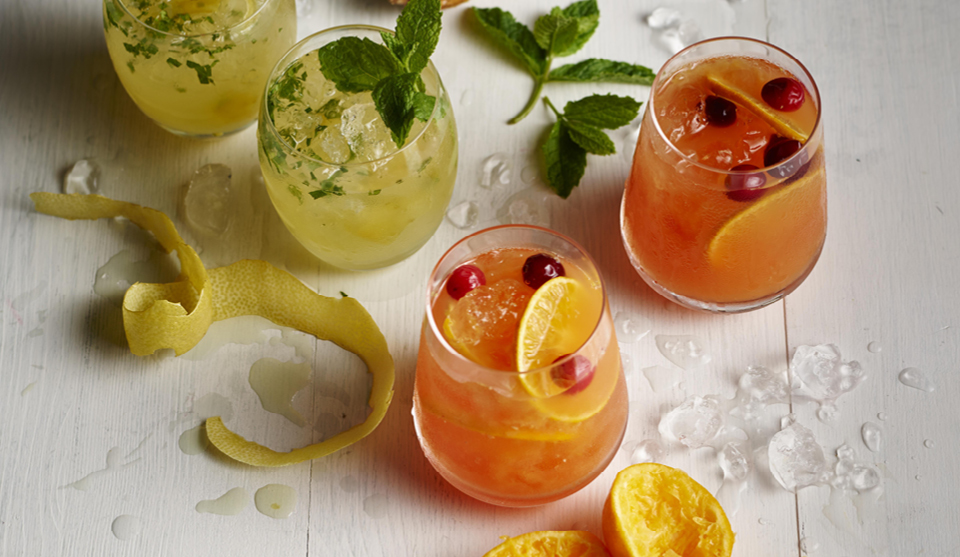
x=177 y=315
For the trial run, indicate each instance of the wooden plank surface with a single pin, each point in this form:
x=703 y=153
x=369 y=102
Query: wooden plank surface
x=74 y=402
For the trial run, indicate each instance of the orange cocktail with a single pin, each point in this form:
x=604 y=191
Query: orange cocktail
x=520 y=398
x=725 y=207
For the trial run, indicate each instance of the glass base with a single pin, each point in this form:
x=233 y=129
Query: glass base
x=217 y=135
x=722 y=307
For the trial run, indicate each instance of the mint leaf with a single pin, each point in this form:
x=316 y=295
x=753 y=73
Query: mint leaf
x=587 y=15
x=204 y=71
x=418 y=29
x=600 y=70
x=396 y=100
x=591 y=138
x=423 y=106
x=566 y=160
x=602 y=111
x=515 y=37
x=356 y=65
x=555 y=32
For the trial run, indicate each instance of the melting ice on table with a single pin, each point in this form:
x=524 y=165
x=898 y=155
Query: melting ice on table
x=208 y=198
x=82 y=178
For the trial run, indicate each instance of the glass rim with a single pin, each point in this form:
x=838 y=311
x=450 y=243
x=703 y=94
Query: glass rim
x=126 y=9
x=284 y=62
x=801 y=153
x=438 y=334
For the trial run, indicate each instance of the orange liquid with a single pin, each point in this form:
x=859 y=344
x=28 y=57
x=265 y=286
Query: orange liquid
x=676 y=203
x=491 y=438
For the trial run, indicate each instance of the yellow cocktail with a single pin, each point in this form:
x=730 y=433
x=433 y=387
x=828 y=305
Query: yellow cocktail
x=198 y=67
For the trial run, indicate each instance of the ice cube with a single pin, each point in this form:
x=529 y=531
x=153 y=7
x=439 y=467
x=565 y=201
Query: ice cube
x=490 y=312
x=850 y=473
x=663 y=18
x=819 y=374
x=463 y=215
x=333 y=147
x=796 y=459
x=630 y=328
x=208 y=200
x=694 y=423
x=495 y=171
x=684 y=351
x=758 y=387
x=365 y=132
x=648 y=450
x=733 y=461
x=82 y=178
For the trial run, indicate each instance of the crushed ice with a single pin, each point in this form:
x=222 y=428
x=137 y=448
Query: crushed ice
x=207 y=200
x=83 y=177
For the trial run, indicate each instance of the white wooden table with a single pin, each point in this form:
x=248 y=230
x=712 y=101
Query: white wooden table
x=75 y=402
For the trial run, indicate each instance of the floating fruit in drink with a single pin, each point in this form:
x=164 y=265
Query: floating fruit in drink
x=519 y=396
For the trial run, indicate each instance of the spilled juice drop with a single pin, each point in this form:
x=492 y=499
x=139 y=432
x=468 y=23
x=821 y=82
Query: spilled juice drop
x=276 y=383
x=276 y=500
x=229 y=504
x=193 y=441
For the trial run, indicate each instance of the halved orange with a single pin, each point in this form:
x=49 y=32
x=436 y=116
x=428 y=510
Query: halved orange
x=656 y=510
x=572 y=543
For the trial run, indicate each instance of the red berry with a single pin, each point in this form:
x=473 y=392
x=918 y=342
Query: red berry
x=540 y=268
x=463 y=279
x=719 y=111
x=780 y=149
x=783 y=94
x=745 y=187
x=575 y=374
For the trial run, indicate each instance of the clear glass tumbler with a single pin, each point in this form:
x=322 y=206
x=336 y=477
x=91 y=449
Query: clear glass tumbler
x=725 y=207
x=197 y=67
x=510 y=437
x=337 y=179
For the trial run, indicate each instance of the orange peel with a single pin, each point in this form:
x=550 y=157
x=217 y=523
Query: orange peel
x=569 y=543
x=177 y=315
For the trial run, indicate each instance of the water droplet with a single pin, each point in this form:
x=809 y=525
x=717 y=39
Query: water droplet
x=28 y=388
x=882 y=416
x=125 y=527
x=913 y=377
x=276 y=500
x=228 y=504
x=350 y=484
x=648 y=450
x=762 y=522
x=874 y=347
x=870 y=432
x=809 y=545
x=686 y=352
x=928 y=443
x=630 y=328
x=466 y=98
x=464 y=215
x=82 y=178
x=376 y=506
x=917 y=477
x=661 y=379
x=828 y=413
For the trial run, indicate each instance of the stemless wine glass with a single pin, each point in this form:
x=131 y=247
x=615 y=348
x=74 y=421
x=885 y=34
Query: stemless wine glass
x=197 y=67
x=725 y=208
x=500 y=435
x=337 y=179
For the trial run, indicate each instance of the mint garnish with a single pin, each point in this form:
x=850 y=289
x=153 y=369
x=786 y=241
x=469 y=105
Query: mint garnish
x=390 y=71
x=560 y=33
x=578 y=131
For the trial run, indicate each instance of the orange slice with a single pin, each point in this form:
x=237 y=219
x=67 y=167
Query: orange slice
x=756 y=241
x=780 y=121
x=551 y=544
x=542 y=336
x=655 y=510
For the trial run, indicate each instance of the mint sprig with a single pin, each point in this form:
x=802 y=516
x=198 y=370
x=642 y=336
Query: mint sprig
x=578 y=131
x=559 y=33
x=390 y=71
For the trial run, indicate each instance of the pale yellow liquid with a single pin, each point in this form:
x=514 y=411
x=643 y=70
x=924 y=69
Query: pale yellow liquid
x=246 y=38
x=375 y=205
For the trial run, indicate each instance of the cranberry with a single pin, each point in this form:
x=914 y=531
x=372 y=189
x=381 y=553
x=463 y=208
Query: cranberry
x=780 y=149
x=463 y=279
x=575 y=374
x=540 y=268
x=720 y=112
x=745 y=187
x=783 y=94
